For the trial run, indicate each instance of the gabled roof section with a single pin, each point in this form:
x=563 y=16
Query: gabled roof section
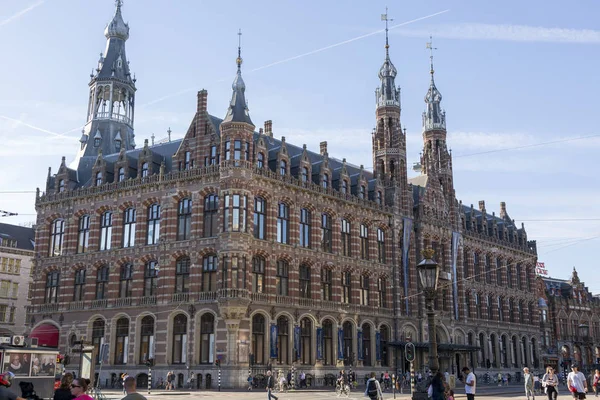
x=25 y=237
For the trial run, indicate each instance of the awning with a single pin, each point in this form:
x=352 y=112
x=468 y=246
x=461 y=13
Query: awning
x=47 y=335
x=441 y=346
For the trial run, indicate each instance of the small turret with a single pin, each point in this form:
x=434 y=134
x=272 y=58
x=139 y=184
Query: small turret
x=238 y=108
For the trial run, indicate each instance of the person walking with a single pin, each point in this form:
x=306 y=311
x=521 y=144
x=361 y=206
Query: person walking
x=596 y=382
x=373 y=390
x=550 y=383
x=270 y=386
x=438 y=387
x=528 y=380
x=577 y=383
x=470 y=383
x=132 y=394
x=64 y=391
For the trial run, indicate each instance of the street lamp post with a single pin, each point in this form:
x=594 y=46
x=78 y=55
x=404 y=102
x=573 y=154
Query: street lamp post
x=428 y=271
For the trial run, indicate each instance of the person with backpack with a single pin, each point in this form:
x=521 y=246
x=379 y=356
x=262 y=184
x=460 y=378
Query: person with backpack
x=373 y=389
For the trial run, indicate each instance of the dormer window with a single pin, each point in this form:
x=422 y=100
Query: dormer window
x=61 y=186
x=361 y=194
x=121 y=174
x=379 y=197
x=304 y=174
x=260 y=160
x=97 y=142
x=98 y=178
x=282 y=167
x=187 y=163
x=118 y=144
x=144 y=170
x=344 y=186
x=325 y=181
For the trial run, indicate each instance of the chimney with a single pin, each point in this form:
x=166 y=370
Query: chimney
x=503 y=214
x=260 y=131
x=269 y=128
x=482 y=205
x=202 y=95
x=323 y=147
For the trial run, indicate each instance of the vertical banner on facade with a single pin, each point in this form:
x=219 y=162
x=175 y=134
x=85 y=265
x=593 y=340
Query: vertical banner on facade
x=340 y=344
x=359 y=346
x=297 y=343
x=319 y=343
x=405 y=246
x=455 y=242
x=273 y=340
x=378 y=345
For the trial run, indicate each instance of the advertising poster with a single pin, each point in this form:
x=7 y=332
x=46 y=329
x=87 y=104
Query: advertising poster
x=18 y=363
x=340 y=344
x=273 y=340
x=319 y=343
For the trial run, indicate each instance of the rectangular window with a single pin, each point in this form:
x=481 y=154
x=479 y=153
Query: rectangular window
x=258 y=275
x=126 y=281
x=260 y=218
x=211 y=215
x=346 y=287
x=227 y=150
x=52 y=284
x=182 y=276
x=283 y=220
x=3 y=310
x=187 y=164
x=282 y=278
x=238 y=217
x=364 y=242
x=382 y=291
x=84 y=234
x=102 y=283
x=79 y=286
x=326 y=233
x=153 y=224
x=237 y=149
x=129 y=222
x=380 y=245
x=184 y=219
x=304 y=228
x=326 y=284
x=105 y=230
x=364 y=290
x=150 y=277
x=304 y=282
x=209 y=274
x=346 y=238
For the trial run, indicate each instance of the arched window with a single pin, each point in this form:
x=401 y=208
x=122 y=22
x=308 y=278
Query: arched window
x=326 y=284
x=282 y=167
x=494 y=346
x=179 y=350
x=260 y=218
x=328 y=349
x=211 y=215
x=98 y=337
x=306 y=341
x=384 y=338
x=364 y=290
x=102 y=283
x=98 y=178
x=476 y=267
x=258 y=274
x=283 y=223
x=347 y=287
x=122 y=341
x=153 y=231
x=258 y=339
x=207 y=338
x=52 y=285
x=150 y=277
x=182 y=275
x=499 y=272
x=126 y=281
x=305 y=228
x=380 y=245
x=209 y=273
x=504 y=351
x=499 y=303
x=129 y=221
x=57 y=234
x=283 y=340
x=304 y=282
x=347 y=342
x=346 y=238
x=482 y=343
x=364 y=242
x=366 y=345
x=83 y=235
x=79 y=285
x=105 y=230
x=184 y=219
x=326 y=233
x=509 y=274
x=519 y=276
x=61 y=186
x=513 y=352
x=146 y=339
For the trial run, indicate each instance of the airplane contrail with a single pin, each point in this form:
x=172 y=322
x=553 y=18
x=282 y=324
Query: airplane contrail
x=20 y=13
x=301 y=55
x=32 y=126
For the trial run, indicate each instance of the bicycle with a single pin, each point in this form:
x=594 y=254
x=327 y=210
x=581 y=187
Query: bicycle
x=341 y=389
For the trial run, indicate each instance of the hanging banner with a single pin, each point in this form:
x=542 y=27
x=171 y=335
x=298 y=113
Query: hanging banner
x=378 y=345
x=455 y=243
x=273 y=340
x=297 y=343
x=340 y=344
x=405 y=246
x=319 y=343
x=359 y=346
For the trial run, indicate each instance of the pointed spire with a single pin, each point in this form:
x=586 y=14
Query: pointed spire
x=434 y=117
x=387 y=94
x=238 y=108
x=117 y=26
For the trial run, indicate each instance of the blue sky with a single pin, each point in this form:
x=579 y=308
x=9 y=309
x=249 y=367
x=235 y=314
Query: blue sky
x=518 y=74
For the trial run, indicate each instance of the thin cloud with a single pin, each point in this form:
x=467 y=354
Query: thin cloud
x=515 y=33
x=37 y=128
x=21 y=13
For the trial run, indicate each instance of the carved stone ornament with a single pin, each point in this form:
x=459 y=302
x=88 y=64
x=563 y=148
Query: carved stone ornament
x=273 y=313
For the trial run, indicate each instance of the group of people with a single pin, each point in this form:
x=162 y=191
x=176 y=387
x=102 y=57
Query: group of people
x=76 y=389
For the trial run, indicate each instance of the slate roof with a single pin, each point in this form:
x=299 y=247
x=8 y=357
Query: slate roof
x=24 y=236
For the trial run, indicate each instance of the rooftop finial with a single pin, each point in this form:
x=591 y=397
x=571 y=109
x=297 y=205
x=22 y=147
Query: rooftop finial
x=239 y=57
x=169 y=133
x=384 y=17
x=431 y=49
x=118 y=3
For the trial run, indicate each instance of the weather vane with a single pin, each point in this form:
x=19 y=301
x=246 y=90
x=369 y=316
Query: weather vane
x=429 y=46
x=239 y=57
x=384 y=17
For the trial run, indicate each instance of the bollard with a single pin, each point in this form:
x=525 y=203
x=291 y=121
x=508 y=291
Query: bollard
x=293 y=382
x=149 y=379
x=394 y=384
x=219 y=377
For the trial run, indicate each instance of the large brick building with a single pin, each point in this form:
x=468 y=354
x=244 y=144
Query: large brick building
x=233 y=244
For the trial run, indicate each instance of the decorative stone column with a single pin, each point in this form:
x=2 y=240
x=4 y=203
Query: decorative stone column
x=233 y=305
